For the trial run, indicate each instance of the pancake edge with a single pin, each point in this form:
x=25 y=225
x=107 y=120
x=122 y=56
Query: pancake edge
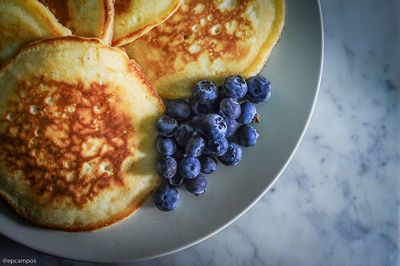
x=108 y=26
x=142 y=31
x=263 y=55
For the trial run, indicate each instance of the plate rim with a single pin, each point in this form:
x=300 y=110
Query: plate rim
x=254 y=202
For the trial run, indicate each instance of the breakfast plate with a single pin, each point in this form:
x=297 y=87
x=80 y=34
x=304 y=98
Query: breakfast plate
x=294 y=69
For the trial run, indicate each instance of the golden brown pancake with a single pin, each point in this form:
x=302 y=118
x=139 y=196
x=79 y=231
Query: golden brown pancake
x=88 y=18
x=134 y=18
x=77 y=134
x=208 y=39
x=24 y=21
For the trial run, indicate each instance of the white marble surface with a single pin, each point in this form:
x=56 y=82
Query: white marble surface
x=338 y=202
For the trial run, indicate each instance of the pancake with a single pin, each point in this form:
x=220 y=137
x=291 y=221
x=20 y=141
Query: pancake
x=77 y=134
x=208 y=39
x=24 y=21
x=88 y=18
x=134 y=18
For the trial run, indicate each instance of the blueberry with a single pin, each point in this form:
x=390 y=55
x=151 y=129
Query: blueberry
x=259 y=89
x=247 y=135
x=178 y=109
x=205 y=92
x=199 y=108
x=167 y=167
x=208 y=164
x=232 y=126
x=248 y=113
x=189 y=167
x=165 y=197
x=183 y=133
x=229 y=108
x=197 y=185
x=233 y=155
x=217 y=147
x=195 y=146
x=167 y=126
x=166 y=146
x=176 y=181
x=235 y=87
x=212 y=126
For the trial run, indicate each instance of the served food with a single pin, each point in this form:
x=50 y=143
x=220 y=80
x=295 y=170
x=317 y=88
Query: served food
x=134 y=18
x=208 y=39
x=77 y=134
x=24 y=21
x=79 y=119
x=88 y=18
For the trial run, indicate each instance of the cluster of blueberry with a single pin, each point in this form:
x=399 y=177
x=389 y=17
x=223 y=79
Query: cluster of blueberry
x=215 y=123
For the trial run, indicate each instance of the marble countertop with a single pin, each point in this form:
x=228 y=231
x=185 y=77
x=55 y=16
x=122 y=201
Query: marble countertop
x=338 y=202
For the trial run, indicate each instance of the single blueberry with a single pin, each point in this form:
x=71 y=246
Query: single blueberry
x=178 y=109
x=217 y=147
x=167 y=167
x=205 y=92
x=235 y=87
x=166 y=146
x=176 y=181
x=229 y=108
x=211 y=126
x=197 y=185
x=199 y=108
x=260 y=89
x=248 y=112
x=195 y=146
x=232 y=126
x=232 y=156
x=189 y=167
x=208 y=164
x=167 y=126
x=165 y=197
x=247 y=135
x=183 y=133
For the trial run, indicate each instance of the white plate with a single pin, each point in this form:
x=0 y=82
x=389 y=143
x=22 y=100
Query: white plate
x=294 y=70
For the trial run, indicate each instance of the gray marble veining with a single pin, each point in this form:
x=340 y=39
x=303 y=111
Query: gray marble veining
x=338 y=202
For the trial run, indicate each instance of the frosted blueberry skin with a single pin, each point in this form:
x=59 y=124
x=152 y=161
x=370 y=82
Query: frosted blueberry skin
x=208 y=164
x=235 y=87
x=232 y=126
x=232 y=156
x=205 y=92
x=217 y=147
x=197 y=186
x=166 y=126
x=167 y=167
x=229 y=108
x=195 y=146
x=166 y=146
x=248 y=112
x=259 y=89
x=212 y=126
x=166 y=197
x=189 y=167
x=183 y=133
x=247 y=136
x=178 y=109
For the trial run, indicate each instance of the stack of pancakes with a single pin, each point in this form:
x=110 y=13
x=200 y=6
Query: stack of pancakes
x=80 y=88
